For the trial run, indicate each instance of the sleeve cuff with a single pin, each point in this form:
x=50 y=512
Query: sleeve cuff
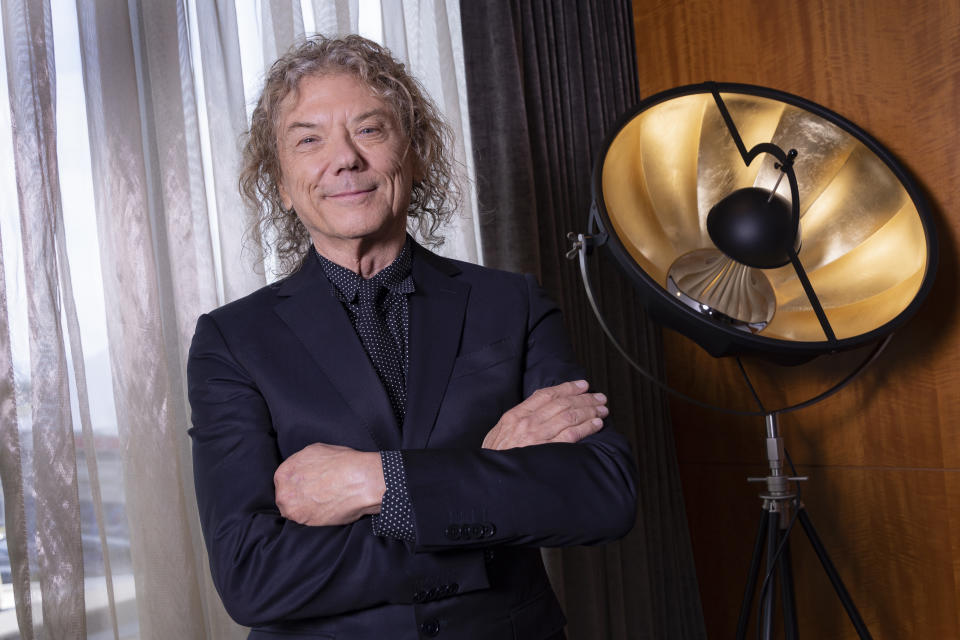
x=395 y=519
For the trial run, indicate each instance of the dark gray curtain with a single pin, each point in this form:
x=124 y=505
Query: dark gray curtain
x=546 y=82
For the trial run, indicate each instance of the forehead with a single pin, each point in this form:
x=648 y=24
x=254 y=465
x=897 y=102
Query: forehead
x=329 y=96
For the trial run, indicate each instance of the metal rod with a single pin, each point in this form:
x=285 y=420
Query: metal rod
x=777 y=185
x=752 y=576
x=785 y=566
x=831 y=570
x=770 y=586
x=812 y=296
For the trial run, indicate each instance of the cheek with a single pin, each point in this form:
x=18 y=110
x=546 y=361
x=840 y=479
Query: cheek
x=294 y=189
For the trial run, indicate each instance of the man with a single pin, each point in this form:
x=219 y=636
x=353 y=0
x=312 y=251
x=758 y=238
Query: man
x=383 y=438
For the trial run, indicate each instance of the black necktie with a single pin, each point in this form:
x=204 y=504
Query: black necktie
x=384 y=352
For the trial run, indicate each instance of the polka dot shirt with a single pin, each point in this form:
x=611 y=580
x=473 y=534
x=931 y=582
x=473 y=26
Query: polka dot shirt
x=379 y=312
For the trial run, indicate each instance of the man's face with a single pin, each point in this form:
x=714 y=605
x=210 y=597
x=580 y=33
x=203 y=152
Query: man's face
x=345 y=163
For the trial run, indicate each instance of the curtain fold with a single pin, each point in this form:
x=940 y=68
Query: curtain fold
x=336 y=17
x=546 y=83
x=129 y=202
x=282 y=25
x=11 y=472
x=227 y=119
x=28 y=42
x=426 y=36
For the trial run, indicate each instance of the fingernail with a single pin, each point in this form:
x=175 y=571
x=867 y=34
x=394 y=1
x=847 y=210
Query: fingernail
x=581 y=384
x=599 y=397
x=603 y=411
x=597 y=422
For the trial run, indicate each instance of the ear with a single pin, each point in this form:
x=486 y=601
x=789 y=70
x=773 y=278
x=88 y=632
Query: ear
x=285 y=200
x=419 y=170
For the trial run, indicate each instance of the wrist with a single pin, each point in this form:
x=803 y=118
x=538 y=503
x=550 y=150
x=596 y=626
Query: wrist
x=374 y=484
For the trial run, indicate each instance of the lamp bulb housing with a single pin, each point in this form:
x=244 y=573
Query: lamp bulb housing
x=753 y=226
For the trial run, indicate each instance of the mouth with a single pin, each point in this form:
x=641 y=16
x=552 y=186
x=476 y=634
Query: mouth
x=350 y=194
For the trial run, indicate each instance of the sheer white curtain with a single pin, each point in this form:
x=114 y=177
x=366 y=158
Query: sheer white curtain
x=120 y=224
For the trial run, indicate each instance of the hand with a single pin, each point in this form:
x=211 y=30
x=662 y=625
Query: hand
x=325 y=484
x=564 y=413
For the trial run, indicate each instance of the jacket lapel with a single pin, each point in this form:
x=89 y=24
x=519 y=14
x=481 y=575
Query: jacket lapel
x=317 y=318
x=436 y=322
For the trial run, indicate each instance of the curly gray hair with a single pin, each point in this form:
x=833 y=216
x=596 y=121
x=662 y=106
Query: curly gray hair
x=434 y=197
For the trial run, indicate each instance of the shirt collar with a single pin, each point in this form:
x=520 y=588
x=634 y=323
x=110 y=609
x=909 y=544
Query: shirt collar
x=397 y=277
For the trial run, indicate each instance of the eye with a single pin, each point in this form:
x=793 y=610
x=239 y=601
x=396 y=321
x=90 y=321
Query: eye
x=369 y=130
x=308 y=140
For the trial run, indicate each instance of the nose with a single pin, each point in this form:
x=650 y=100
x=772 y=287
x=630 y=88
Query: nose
x=344 y=154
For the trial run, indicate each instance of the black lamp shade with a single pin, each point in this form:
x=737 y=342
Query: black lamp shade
x=707 y=237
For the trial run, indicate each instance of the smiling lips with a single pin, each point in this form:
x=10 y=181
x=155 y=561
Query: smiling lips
x=350 y=194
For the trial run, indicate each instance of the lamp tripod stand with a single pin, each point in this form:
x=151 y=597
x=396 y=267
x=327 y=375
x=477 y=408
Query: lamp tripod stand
x=773 y=533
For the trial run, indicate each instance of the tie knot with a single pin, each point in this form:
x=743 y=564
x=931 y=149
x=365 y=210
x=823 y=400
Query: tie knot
x=367 y=291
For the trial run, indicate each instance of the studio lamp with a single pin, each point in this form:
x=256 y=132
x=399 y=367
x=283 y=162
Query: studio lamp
x=759 y=223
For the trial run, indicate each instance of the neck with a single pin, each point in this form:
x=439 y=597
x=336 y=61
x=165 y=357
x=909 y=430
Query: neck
x=361 y=256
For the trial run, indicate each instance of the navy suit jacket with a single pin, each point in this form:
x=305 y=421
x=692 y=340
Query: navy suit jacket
x=283 y=368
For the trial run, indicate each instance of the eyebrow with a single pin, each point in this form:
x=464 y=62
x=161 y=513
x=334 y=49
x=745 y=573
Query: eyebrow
x=300 y=125
x=383 y=113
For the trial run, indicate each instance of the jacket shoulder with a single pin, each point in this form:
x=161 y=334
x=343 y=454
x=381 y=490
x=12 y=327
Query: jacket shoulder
x=475 y=273
x=264 y=297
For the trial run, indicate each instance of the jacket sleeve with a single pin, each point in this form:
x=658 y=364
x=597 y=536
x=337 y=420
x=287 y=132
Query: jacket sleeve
x=265 y=567
x=544 y=495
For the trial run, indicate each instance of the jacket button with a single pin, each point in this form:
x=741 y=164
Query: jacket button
x=476 y=531
x=419 y=596
x=452 y=532
x=488 y=555
x=430 y=628
x=489 y=530
x=454 y=587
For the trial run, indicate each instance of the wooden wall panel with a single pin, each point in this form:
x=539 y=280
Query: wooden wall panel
x=884 y=454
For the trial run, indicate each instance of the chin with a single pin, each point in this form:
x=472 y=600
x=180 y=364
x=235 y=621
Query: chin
x=382 y=232
x=378 y=228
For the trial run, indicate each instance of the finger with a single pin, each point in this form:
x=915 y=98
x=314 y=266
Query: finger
x=578 y=432
x=544 y=424
x=529 y=431
x=545 y=414
x=586 y=405
x=580 y=417
x=545 y=395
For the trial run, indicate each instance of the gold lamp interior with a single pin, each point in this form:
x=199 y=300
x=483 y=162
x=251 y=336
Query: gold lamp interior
x=862 y=242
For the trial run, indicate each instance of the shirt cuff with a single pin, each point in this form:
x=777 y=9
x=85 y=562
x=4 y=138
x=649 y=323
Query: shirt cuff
x=395 y=519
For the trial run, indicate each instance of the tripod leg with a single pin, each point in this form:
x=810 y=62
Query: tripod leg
x=841 y=590
x=784 y=567
x=773 y=533
x=747 y=603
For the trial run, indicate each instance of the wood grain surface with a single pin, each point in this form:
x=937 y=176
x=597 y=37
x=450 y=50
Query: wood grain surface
x=884 y=454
